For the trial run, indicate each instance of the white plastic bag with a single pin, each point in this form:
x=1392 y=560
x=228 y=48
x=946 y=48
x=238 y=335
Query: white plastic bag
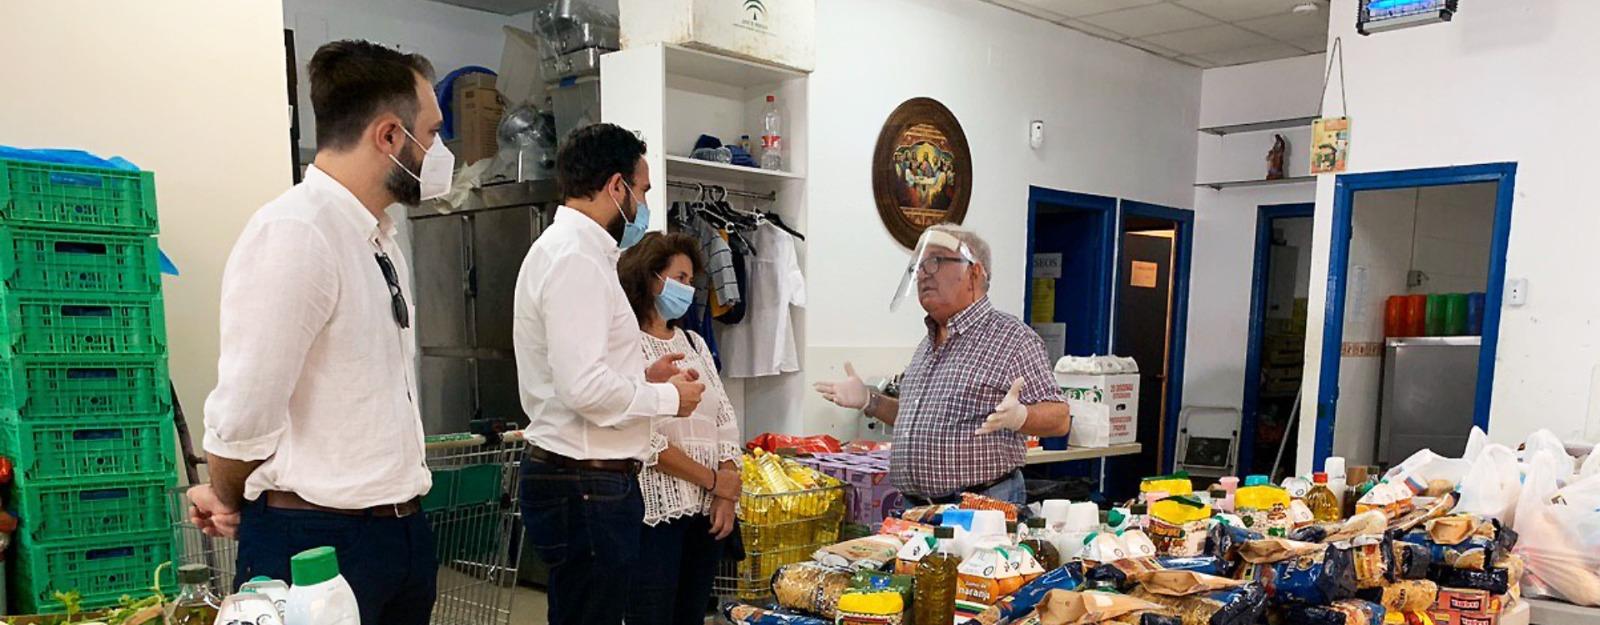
x=1545 y=440
x=1091 y=424
x=1425 y=466
x=1491 y=487
x=1591 y=465
x=1559 y=532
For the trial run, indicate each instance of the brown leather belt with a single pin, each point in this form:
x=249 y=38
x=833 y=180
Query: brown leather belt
x=630 y=467
x=284 y=500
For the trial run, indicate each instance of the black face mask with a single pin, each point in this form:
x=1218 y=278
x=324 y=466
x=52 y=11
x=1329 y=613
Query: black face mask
x=405 y=189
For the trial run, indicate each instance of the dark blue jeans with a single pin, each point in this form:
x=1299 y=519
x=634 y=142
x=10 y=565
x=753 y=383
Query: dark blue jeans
x=677 y=562
x=389 y=562
x=585 y=526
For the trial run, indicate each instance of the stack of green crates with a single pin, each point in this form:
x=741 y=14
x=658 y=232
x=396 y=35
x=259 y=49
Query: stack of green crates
x=85 y=406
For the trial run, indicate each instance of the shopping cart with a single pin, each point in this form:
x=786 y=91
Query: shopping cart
x=476 y=524
x=778 y=529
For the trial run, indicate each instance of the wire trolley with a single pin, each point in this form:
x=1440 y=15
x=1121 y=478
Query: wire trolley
x=778 y=529
x=476 y=524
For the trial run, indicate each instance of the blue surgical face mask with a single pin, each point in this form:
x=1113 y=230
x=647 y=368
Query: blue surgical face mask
x=634 y=230
x=674 y=299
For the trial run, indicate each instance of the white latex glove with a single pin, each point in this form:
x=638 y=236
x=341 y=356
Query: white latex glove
x=1009 y=415
x=850 y=392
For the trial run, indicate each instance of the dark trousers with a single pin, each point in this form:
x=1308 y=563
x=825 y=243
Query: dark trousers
x=389 y=562
x=585 y=526
x=677 y=562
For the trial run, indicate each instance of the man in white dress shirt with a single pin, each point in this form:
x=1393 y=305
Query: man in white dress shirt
x=584 y=383
x=313 y=432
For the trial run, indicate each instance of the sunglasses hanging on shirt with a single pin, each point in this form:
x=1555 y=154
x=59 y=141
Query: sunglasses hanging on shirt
x=397 y=298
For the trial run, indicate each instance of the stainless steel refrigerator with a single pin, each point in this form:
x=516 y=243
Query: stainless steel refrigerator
x=1429 y=388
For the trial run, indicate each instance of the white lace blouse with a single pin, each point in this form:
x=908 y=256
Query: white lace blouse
x=709 y=436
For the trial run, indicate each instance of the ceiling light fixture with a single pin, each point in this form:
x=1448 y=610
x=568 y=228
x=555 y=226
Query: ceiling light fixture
x=1305 y=7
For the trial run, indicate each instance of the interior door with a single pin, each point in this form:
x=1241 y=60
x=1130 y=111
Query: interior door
x=1143 y=326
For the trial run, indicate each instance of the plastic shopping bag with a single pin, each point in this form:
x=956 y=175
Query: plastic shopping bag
x=1545 y=440
x=1425 y=466
x=1560 y=533
x=1491 y=487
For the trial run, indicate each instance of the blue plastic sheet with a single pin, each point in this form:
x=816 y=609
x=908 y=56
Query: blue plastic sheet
x=66 y=157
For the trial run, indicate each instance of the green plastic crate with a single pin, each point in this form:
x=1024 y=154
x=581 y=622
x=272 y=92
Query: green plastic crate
x=53 y=261
x=443 y=493
x=75 y=511
x=58 y=196
x=103 y=324
x=84 y=388
x=477 y=484
x=46 y=451
x=102 y=570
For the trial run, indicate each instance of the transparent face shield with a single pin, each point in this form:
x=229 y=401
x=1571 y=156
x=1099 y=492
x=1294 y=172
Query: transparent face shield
x=934 y=250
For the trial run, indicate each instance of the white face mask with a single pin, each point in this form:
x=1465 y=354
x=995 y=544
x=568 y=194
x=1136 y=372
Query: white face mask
x=438 y=165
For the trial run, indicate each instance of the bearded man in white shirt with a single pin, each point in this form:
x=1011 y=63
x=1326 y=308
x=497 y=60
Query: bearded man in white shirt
x=584 y=383
x=313 y=432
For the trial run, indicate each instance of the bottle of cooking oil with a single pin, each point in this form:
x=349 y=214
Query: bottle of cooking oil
x=934 y=601
x=195 y=605
x=1043 y=550
x=1324 y=505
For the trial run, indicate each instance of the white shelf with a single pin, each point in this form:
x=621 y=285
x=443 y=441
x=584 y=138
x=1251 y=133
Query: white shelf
x=1277 y=124
x=1047 y=456
x=716 y=68
x=711 y=171
x=1256 y=183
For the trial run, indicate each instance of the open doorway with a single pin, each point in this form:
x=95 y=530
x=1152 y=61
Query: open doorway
x=1151 y=309
x=1070 y=257
x=1416 y=273
x=1275 y=354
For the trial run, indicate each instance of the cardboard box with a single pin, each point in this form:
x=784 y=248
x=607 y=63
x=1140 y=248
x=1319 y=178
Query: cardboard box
x=779 y=32
x=1118 y=391
x=1469 y=601
x=476 y=108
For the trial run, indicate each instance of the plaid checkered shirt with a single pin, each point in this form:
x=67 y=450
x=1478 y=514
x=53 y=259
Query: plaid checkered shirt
x=950 y=389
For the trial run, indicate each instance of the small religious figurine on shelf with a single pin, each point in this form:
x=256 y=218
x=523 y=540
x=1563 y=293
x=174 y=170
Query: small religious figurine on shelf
x=1280 y=150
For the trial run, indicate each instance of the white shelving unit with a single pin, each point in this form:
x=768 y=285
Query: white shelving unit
x=672 y=95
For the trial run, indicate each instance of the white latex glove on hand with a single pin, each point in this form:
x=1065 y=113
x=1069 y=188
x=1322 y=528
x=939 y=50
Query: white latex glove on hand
x=850 y=392
x=1009 y=415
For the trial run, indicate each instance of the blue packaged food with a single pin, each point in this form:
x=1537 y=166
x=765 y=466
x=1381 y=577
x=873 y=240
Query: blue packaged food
x=1319 y=578
x=1411 y=561
x=1346 y=612
x=1223 y=542
x=1210 y=565
x=740 y=614
x=1234 y=606
x=1067 y=577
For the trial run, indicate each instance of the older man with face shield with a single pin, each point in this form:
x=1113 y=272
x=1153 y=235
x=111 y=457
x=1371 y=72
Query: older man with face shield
x=977 y=384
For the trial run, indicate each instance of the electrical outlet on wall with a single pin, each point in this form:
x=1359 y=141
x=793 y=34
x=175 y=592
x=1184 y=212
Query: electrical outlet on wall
x=1517 y=292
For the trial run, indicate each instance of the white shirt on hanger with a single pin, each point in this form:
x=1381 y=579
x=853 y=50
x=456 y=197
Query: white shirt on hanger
x=315 y=374
x=580 y=370
x=763 y=343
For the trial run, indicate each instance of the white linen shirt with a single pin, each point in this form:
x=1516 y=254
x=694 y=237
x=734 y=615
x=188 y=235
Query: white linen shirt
x=315 y=377
x=763 y=343
x=580 y=369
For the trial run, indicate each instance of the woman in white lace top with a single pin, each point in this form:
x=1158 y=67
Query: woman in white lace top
x=691 y=483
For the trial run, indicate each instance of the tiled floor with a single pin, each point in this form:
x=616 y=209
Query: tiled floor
x=528 y=607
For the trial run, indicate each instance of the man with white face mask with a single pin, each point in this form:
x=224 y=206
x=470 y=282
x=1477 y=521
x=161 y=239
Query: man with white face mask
x=313 y=432
x=584 y=384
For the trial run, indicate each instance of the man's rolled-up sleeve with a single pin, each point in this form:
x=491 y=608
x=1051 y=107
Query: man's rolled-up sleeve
x=278 y=292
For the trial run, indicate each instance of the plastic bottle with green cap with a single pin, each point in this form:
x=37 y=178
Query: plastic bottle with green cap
x=272 y=589
x=319 y=596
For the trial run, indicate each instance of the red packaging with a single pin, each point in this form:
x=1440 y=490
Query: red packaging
x=820 y=444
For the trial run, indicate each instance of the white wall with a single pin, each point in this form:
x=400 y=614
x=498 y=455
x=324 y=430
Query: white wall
x=1225 y=221
x=1451 y=246
x=1494 y=85
x=450 y=36
x=192 y=90
x=1119 y=122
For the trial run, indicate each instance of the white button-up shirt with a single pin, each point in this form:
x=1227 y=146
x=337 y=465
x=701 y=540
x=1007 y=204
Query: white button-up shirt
x=579 y=365
x=315 y=376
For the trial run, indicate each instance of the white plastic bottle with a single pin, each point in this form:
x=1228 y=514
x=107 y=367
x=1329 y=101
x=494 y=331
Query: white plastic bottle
x=320 y=596
x=272 y=589
x=772 y=135
x=249 y=607
x=1334 y=467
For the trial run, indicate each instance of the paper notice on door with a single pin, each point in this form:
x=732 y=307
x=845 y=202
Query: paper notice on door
x=1047 y=265
x=1144 y=275
x=1044 y=301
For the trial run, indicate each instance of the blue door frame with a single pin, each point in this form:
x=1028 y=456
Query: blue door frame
x=1184 y=243
x=1344 y=190
x=1106 y=206
x=1250 y=405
